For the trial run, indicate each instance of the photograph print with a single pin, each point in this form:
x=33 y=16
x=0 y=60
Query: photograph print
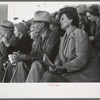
x=49 y=42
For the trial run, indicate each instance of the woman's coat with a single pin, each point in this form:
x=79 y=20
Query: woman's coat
x=78 y=58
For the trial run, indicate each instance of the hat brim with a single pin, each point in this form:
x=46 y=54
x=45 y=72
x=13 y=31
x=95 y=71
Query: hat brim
x=42 y=21
x=7 y=29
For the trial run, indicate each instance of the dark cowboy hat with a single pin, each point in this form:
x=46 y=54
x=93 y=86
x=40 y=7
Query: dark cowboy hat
x=6 y=25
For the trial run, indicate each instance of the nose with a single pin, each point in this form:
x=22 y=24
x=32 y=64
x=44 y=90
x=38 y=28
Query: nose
x=30 y=33
x=89 y=17
x=14 y=31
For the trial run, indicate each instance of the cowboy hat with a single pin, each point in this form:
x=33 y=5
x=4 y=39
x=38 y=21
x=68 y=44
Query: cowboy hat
x=6 y=25
x=42 y=16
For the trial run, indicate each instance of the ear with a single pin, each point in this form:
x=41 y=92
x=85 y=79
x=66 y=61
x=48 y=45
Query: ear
x=71 y=20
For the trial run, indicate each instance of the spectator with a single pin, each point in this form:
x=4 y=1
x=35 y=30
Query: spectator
x=84 y=23
x=94 y=16
x=7 y=38
x=75 y=62
x=45 y=42
x=23 y=46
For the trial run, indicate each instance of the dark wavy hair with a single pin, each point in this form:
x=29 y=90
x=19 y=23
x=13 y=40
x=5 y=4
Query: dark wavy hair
x=71 y=13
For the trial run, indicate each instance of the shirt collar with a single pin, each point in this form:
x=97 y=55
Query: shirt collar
x=45 y=35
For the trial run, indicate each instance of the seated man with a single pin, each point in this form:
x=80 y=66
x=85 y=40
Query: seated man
x=6 y=37
x=45 y=41
x=23 y=46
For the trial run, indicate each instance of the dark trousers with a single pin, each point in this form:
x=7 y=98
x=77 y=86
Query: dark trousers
x=8 y=73
x=1 y=74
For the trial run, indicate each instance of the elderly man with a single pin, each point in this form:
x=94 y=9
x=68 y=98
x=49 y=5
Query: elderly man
x=46 y=41
x=7 y=38
x=23 y=46
x=84 y=23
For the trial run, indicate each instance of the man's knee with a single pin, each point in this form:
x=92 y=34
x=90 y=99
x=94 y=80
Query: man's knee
x=20 y=63
x=47 y=75
x=36 y=65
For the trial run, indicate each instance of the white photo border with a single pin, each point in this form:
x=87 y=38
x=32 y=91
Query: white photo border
x=50 y=90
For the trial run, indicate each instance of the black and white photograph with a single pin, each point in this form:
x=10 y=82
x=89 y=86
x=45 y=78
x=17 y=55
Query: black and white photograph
x=50 y=43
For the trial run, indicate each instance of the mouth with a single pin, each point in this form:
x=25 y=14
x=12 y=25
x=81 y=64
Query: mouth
x=30 y=31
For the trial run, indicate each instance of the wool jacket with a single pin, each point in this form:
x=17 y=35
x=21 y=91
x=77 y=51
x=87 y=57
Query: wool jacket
x=23 y=45
x=95 y=31
x=78 y=58
x=49 y=46
x=4 y=50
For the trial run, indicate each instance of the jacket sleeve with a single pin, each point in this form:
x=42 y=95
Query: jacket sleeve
x=3 y=50
x=57 y=61
x=13 y=46
x=53 y=46
x=97 y=36
x=82 y=52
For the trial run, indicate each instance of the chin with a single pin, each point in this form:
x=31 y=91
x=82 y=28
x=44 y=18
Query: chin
x=31 y=38
x=63 y=28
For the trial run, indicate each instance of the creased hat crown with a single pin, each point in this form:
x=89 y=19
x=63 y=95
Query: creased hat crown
x=6 y=25
x=42 y=16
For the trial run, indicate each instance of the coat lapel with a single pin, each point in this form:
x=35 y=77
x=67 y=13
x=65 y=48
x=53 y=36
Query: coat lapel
x=64 y=50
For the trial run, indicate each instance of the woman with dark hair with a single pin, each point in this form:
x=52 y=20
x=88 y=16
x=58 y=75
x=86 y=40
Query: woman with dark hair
x=93 y=15
x=74 y=62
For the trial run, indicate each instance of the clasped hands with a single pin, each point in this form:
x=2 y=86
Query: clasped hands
x=57 y=69
x=53 y=68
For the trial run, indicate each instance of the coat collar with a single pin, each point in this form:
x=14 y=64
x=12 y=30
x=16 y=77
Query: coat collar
x=71 y=34
x=47 y=34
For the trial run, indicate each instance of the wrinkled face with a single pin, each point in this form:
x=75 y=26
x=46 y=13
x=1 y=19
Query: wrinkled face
x=16 y=32
x=37 y=26
x=65 y=21
x=35 y=29
x=90 y=17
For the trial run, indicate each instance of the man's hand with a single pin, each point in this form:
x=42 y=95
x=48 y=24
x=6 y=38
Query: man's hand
x=13 y=59
x=51 y=68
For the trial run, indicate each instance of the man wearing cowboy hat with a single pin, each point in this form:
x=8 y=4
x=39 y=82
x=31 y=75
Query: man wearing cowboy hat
x=7 y=38
x=45 y=41
x=23 y=46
